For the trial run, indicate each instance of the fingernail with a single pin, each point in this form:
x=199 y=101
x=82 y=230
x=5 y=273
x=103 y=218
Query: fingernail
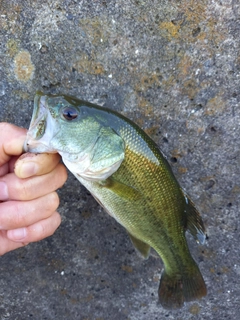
x=17 y=234
x=3 y=191
x=28 y=169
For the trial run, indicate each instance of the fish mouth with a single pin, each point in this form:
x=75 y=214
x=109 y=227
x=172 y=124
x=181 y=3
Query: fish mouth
x=39 y=135
x=39 y=108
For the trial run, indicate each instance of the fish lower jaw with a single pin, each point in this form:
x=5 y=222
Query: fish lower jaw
x=34 y=146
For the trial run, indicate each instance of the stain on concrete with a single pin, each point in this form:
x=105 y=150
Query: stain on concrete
x=23 y=66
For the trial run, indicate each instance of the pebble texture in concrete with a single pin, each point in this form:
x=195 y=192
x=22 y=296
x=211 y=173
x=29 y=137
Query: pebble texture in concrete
x=171 y=66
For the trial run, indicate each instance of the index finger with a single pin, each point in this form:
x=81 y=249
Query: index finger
x=11 y=141
x=30 y=164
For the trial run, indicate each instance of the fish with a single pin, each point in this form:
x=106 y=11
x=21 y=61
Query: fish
x=126 y=172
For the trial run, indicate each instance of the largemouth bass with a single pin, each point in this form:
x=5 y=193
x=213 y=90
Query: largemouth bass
x=127 y=174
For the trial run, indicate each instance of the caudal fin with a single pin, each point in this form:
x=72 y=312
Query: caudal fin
x=174 y=291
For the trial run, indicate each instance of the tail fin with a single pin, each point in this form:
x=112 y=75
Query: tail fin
x=174 y=291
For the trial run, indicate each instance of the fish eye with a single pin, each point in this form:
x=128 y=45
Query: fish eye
x=69 y=113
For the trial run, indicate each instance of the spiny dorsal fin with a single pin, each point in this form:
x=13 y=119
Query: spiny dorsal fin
x=194 y=221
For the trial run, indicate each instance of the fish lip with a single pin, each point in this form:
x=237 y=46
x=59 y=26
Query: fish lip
x=40 y=112
x=37 y=104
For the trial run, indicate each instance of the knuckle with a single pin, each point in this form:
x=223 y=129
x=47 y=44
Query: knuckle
x=54 y=200
x=52 y=224
x=16 y=214
x=19 y=217
x=55 y=224
x=50 y=232
x=42 y=229
x=58 y=219
x=23 y=189
x=38 y=231
x=62 y=174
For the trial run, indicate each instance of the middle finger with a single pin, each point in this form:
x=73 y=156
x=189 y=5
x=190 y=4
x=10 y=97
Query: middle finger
x=34 y=187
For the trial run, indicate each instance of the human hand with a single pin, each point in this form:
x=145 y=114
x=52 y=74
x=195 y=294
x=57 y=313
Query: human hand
x=28 y=200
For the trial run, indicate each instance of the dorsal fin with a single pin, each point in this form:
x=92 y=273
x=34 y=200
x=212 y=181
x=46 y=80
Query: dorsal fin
x=194 y=221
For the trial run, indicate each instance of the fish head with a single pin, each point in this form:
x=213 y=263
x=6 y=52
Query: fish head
x=65 y=125
x=57 y=125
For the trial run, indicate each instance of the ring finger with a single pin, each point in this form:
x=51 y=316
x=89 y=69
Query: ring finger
x=17 y=214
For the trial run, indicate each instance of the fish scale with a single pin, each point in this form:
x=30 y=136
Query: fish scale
x=127 y=174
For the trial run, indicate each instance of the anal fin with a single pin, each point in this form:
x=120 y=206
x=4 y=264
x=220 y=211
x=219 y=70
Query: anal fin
x=142 y=247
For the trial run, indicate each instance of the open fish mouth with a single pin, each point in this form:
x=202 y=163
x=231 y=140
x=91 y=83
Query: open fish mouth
x=39 y=133
x=39 y=109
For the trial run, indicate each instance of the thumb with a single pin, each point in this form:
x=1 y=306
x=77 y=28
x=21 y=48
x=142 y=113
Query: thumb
x=11 y=141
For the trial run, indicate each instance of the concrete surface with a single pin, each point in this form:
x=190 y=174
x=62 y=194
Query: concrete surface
x=171 y=66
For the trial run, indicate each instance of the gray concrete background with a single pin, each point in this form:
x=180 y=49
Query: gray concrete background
x=172 y=67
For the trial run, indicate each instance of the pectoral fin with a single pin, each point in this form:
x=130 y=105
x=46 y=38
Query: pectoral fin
x=142 y=247
x=122 y=190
